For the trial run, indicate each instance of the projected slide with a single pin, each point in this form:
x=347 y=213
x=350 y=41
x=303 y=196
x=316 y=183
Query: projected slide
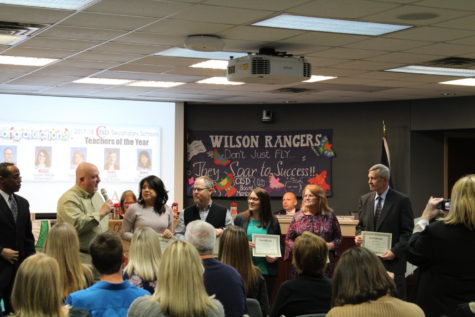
x=48 y=154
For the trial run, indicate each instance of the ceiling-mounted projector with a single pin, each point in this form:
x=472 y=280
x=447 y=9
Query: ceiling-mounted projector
x=269 y=67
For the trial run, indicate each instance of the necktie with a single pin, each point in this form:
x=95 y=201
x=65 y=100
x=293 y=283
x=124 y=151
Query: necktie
x=377 y=211
x=13 y=207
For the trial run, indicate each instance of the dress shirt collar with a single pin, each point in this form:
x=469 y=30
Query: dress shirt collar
x=383 y=195
x=206 y=208
x=5 y=196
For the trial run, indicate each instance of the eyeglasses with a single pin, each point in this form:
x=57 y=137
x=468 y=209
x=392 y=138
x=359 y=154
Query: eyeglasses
x=198 y=189
x=15 y=176
x=253 y=198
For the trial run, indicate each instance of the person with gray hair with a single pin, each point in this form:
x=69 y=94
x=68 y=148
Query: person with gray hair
x=385 y=210
x=204 y=209
x=220 y=279
x=202 y=235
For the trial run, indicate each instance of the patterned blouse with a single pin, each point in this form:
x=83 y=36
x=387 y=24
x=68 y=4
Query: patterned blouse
x=326 y=227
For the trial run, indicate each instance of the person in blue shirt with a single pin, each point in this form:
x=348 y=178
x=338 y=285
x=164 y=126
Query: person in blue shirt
x=111 y=296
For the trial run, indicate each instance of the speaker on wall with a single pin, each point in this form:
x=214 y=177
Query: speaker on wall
x=266 y=115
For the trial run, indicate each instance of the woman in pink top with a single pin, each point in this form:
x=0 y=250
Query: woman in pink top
x=150 y=210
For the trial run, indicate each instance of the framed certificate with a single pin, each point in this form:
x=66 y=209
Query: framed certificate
x=378 y=242
x=266 y=244
x=164 y=243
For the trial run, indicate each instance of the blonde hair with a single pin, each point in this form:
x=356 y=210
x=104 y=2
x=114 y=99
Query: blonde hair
x=63 y=245
x=322 y=202
x=181 y=291
x=144 y=254
x=462 y=207
x=37 y=289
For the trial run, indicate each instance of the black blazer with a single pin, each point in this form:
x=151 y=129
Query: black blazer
x=272 y=228
x=16 y=236
x=446 y=260
x=396 y=218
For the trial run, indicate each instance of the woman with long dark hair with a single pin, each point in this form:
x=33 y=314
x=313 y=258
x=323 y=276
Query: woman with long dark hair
x=150 y=210
x=234 y=251
x=259 y=219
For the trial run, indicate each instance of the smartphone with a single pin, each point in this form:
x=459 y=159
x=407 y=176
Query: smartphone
x=444 y=205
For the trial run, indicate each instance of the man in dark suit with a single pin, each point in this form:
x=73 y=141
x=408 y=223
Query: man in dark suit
x=204 y=209
x=16 y=239
x=289 y=204
x=386 y=210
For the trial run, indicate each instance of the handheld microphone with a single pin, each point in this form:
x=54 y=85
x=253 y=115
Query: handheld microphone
x=104 y=194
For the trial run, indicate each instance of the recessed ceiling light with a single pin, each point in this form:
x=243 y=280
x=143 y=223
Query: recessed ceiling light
x=152 y=83
x=102 y=81
x=315 y=78
x=10 y=39
x=25 y=61
x=460 y=82
x=183 y=52
x=444 y=71
x=212 y=64
x=52 y=4
x=288 y=21
x=218 y=81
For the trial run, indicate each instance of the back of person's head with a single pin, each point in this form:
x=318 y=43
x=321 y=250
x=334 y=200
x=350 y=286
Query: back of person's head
x=144 y=254
x=181 y=291
x=462 y=203
x=310 y=254
x=37 y=290
x=360 y=277
x=63 y=245
x=234 y=251
x=106 y=252
x=202 y=235
x=322 y=202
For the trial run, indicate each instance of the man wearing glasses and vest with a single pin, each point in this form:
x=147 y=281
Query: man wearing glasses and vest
x=204 y=209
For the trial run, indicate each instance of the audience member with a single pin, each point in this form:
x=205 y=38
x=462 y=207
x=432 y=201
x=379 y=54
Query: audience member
x=84 y=208
x=443 y=251
x=315 y=216
x=204 y=209
x=63 y=245
x=111 y=296
x=16 y=239
x=220 y=279
x=363 y=288
x=386 y=210
x=465 y=310
x=144 y=259
x=260 y=220
x=37 y=291
x=289 y=204
x=151 y=210
x=126 y=200
x=234 y=251
x=311 y=291
x=182 y=292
